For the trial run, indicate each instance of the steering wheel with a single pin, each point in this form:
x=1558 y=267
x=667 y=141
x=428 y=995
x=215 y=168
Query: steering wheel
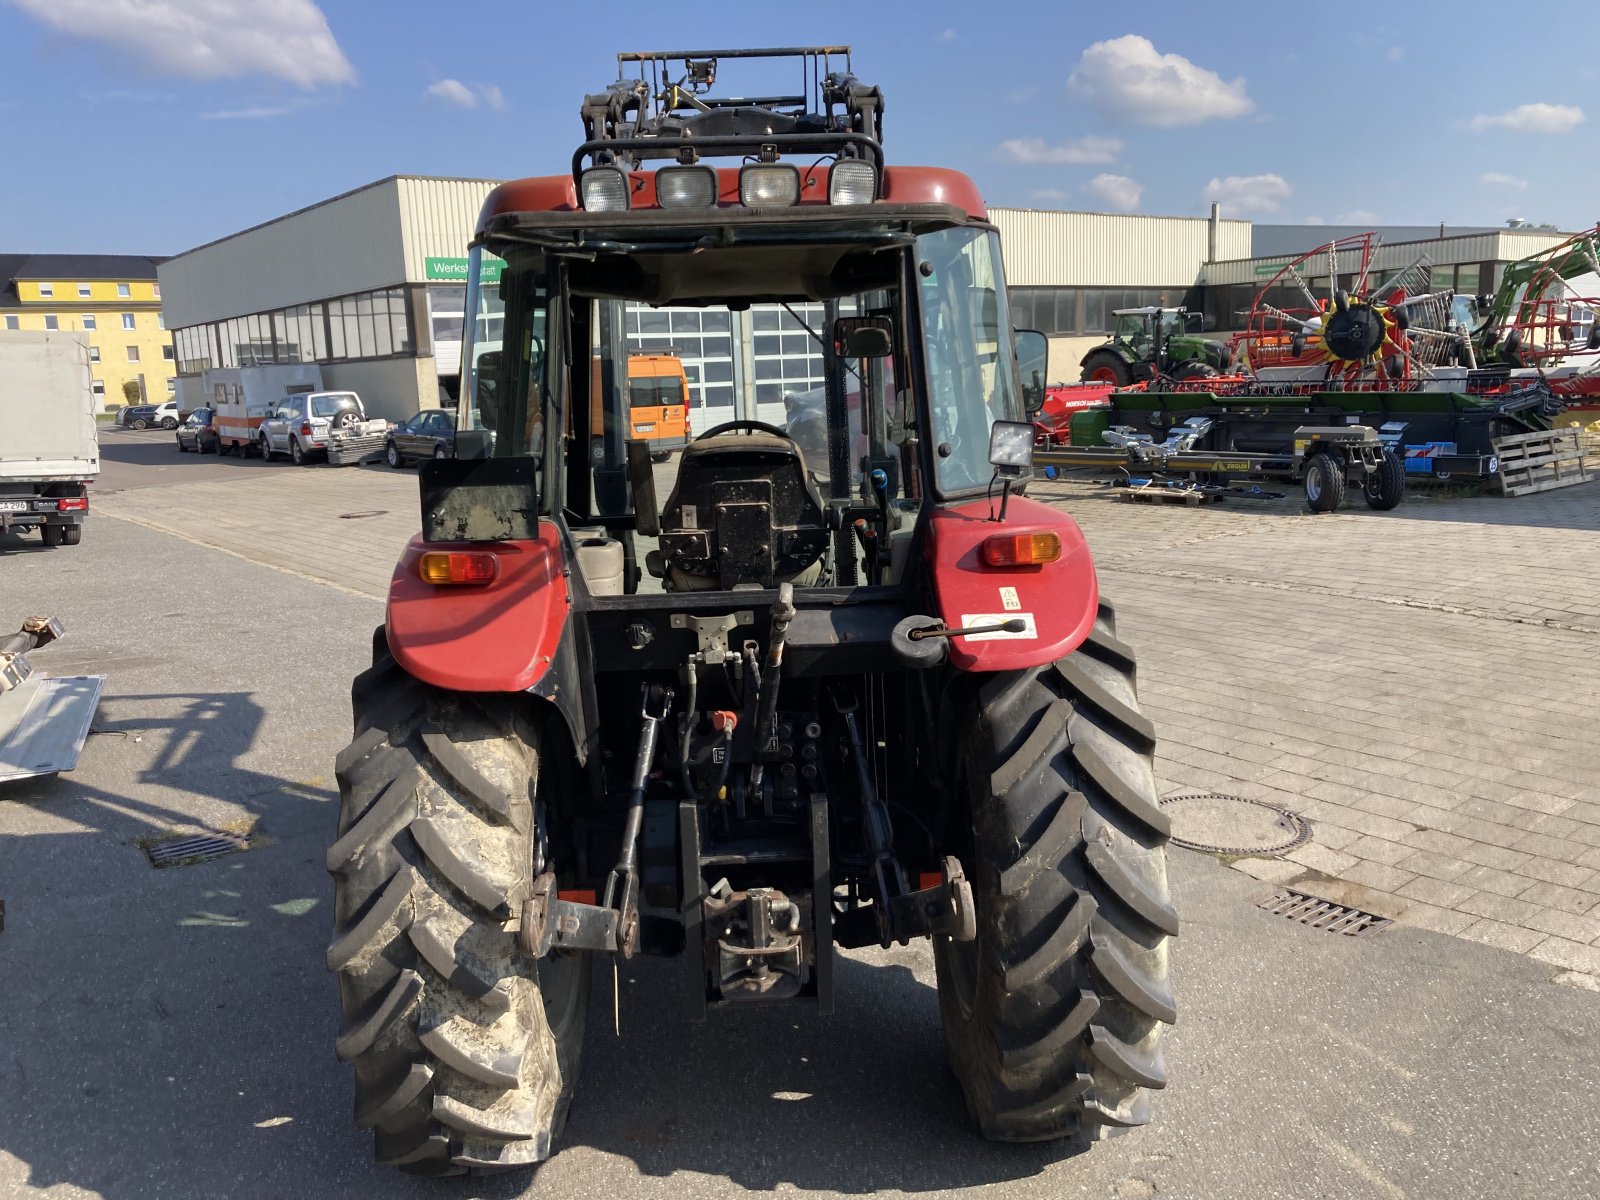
x=746 y=426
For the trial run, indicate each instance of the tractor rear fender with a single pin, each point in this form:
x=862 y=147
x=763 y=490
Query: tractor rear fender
x=1058 y=599
x=513 y=634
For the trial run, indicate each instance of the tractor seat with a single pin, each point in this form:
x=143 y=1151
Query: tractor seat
x=743 y=511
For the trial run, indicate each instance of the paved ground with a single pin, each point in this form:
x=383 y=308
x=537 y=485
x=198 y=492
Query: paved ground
x=168 y=1033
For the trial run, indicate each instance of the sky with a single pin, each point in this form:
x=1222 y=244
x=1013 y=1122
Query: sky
x=152 y=126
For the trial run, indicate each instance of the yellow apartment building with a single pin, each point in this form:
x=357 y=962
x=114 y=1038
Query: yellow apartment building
x=114 y=298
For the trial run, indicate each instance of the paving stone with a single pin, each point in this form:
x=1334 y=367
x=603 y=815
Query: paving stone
x=1377 y=875
x=1440 y=920
x=1268 y=870
x=1573 y=874
x=1434 y=866
x=1429 y=817
x=1547 y=846
x=1578 y=979
x=1567 y=925
x=1490 y=879
x=1498 y=857
x=1500 y=908
x=1507 y=937
x=1572 y=955
x=1553 y=895
x=1321 y=858
x=1384 y=827
x=1438 y=841
x=1377 y=850
x=1332 y=836
x=1435 y=891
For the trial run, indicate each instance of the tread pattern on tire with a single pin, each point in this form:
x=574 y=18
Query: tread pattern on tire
x=455 y=1062
x=1387 y=485
x=1074 y=913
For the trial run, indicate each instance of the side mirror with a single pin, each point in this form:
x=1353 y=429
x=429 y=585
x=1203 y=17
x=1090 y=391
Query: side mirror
x=1033 y=359
x=1011 y=449
x=863 y=337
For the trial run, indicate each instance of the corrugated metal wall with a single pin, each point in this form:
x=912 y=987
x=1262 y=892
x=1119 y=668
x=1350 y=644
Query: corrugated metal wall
x=1501 y=246
x=351 y=243
x=438 y=217
x=1081 y=249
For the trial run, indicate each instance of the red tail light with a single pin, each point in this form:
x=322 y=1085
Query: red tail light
x=73 y=504
x=1022 y=549
x=305 y=429
x=470 y=567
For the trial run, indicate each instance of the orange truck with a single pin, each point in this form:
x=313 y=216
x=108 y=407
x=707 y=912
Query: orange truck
x=658 y=400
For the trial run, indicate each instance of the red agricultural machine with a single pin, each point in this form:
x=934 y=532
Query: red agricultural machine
x=759 y=702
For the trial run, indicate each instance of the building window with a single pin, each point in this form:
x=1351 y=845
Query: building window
x=166 y=353
x=94 y=353
x=133 y=354
x=98 y=388
x=122 y=290
x=88 y=321
x=155 y=289
x=172 y=385
x=161 y=320
x=47 y=289
x=84 y=291
x=127 y=320
x=51 y=321
x=11 y=322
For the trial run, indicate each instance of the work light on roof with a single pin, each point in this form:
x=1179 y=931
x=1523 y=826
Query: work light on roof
x=605 y=189
x=769 y=185
x=686 y=187
x=852 y=181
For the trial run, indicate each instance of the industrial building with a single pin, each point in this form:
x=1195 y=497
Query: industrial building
x=370 y=286
x=114 y=300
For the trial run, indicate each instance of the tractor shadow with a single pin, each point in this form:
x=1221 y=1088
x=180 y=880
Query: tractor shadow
x=858 y=1102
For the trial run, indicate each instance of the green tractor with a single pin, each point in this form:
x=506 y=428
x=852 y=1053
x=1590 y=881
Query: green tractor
x=1155 y=341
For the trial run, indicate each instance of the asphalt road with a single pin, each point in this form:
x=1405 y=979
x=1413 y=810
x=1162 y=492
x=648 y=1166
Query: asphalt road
x=169 y=1033
x=143 y=458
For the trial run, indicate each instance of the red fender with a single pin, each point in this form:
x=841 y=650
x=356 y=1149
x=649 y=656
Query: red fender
x=495 y=637
x=1059 y=599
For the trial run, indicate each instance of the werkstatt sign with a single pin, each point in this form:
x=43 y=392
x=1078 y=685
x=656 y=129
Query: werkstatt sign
x=454 y=270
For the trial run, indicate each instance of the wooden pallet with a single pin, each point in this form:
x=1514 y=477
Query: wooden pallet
x=1161 y=495
x=1539 y=462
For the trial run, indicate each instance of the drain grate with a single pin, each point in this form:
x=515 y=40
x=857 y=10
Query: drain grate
x=198 y=848
x=1318 y=913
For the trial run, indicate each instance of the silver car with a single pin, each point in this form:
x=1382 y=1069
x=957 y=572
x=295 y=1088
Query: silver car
x=300 y=424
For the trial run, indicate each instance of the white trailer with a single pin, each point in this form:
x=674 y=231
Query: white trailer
x=49 y=444
x=243 y=397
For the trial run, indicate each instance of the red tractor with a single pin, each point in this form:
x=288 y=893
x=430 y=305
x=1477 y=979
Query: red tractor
x=761 y=701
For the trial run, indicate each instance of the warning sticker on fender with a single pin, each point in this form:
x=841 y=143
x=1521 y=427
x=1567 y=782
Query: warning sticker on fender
x=1028 y=633
x=1009 y=600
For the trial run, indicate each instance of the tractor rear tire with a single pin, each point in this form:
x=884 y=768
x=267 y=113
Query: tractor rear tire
x=1386 y=487
x=1054 y=1016
x=1325 y=483
x=466 y=1051
x=1105 y=367
x=1193 y=369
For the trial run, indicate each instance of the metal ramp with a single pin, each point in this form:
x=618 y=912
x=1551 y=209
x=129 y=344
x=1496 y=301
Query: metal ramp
x=43 y=724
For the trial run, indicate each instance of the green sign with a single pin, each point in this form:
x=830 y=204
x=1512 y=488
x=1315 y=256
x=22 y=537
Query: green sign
x=454 y=270
x=1267 y=268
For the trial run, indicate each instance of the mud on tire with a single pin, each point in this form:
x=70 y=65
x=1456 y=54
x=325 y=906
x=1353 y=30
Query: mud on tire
x=1054 y=1016
x=465 y=1051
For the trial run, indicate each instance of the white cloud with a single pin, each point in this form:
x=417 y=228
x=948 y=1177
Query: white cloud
x=1495 y=178
x=1083 y=151
x=467 y=95
x=1396 y=53
x=261 y=113
x=1531 y=118
x=1128 y=79
x=949 y=35
x=1357 y=216
x=1116 y=192
x=1263 y=194
x=206 y=39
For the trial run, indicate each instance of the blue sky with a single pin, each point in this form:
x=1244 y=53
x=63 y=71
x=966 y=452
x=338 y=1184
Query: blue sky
x=149 y=126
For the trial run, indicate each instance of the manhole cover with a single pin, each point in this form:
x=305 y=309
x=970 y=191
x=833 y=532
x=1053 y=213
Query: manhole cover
x=1221 y=824
x=357 y=516
x=1324 y=914
x=182 y=851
